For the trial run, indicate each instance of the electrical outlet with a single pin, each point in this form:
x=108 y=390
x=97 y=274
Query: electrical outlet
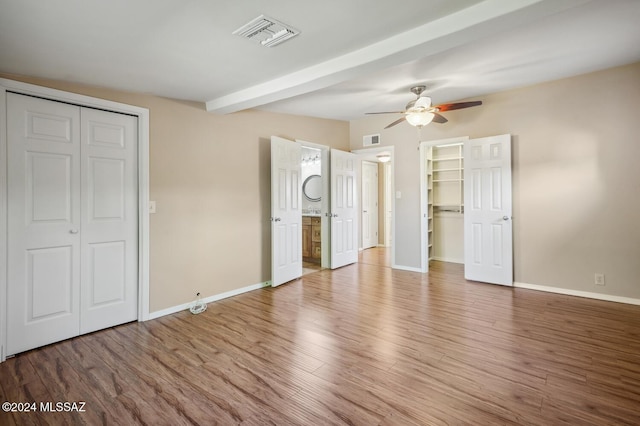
x=599 y=279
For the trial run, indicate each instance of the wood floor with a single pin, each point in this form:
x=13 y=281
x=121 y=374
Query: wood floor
x=362 y=345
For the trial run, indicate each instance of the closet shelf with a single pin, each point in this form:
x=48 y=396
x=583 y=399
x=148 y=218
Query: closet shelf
x=453 y=169
x=448 y=180
x=446 y=159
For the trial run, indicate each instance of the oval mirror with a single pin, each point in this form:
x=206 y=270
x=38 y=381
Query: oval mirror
x=312 y=188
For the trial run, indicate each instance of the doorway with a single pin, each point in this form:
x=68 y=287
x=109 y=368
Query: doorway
x=336 y=215
x=313 y=206
x=466 y=206
x=316 y=244
x=382 y=158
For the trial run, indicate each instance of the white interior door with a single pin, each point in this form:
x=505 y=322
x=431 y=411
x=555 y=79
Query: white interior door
x=344 y=212
x=488 y=246
x=369 y=204
x=73 y=257
x=109 y=230
x=286 y=211
x=43 y=293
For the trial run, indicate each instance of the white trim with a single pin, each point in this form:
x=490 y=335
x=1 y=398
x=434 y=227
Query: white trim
x=143 y=185
x=578 y=293
x=3 y=221
x=448 y=260
x=214 y=298
x=406 y=268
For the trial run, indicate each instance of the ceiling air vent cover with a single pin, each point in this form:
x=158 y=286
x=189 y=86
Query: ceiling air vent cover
x=267 y=31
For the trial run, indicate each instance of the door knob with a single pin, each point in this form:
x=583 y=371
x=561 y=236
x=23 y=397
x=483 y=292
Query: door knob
x=505 y=217
x=277 y=219
x=73 y=231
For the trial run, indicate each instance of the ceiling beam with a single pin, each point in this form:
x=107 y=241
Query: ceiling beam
x=472 y=23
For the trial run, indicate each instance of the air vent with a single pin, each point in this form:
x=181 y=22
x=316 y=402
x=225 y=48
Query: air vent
x=266 y=31
x=370 y=140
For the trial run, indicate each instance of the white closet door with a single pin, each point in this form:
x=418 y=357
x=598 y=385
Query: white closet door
x=44 y=222
x=488 y=245
x=73 y=255
x=109 y=235
x=286 y=211
x=344 y=217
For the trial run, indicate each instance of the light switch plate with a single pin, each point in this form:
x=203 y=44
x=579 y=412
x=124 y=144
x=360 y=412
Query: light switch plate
x=152 y=206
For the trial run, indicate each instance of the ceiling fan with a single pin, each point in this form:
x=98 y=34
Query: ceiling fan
x=419 y=112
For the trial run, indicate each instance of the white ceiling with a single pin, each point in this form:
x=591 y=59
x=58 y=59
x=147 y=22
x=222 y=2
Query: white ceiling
x=351 y=56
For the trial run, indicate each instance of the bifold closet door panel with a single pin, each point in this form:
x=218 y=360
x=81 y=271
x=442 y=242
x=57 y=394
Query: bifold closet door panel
x=43 y=292
x=109 y=219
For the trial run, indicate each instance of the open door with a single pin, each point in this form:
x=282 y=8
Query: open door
x=286 y=213
x=488 y=231
x=344 y=213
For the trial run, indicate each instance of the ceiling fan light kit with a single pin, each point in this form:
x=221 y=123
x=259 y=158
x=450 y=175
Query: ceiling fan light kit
x=419 y=112
x=419 y=119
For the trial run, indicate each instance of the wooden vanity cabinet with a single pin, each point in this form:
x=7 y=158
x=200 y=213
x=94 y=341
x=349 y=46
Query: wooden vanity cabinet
x=311 y=239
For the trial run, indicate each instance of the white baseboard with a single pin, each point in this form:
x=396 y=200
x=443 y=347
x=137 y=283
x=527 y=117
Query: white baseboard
x=579 y=293
x=214 y=298
x=447 y=259
x=406 y=268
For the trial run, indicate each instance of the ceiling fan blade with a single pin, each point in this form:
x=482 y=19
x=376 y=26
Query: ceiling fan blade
x=437 y=118
x=386 y=112
x=458 y=105
x=398 y=121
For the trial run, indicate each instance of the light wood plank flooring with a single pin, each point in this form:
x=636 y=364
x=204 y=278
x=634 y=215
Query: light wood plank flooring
x=362 y=345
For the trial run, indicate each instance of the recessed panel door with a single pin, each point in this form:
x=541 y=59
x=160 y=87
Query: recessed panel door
x=43 y=222
x=286 y=211
x=109 y=234
x=488 y=253
x=344 y=209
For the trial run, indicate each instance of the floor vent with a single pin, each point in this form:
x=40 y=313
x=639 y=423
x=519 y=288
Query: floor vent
x=267 y=31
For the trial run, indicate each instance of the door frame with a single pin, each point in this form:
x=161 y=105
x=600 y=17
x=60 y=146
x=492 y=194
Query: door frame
x=369 y=154
x=424 y=243
x=143 y=185
x=388 y=203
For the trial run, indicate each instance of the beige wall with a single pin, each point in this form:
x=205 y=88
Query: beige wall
x=210 y=177
x=576 y=177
